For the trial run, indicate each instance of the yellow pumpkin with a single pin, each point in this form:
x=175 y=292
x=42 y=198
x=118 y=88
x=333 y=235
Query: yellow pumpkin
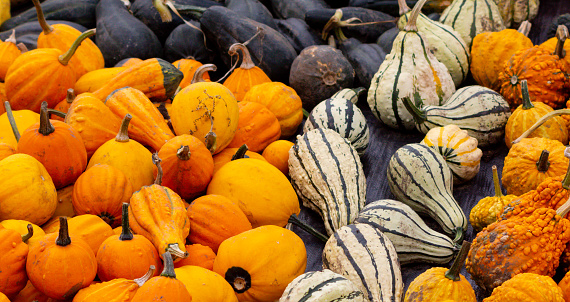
x=205 y=285
x=93 y=80
x=21 y=226
x=227 y=154
x=24 y=119
x=246 y=76
x=277 y=154
x=257 y=127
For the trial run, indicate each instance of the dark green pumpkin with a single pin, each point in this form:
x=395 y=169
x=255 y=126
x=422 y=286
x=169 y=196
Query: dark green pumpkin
x=365 y=58
x=298 y=33
x=28 y=32
x=252 y=9
x=285 y=9
x=386 y=40
x=185 y=41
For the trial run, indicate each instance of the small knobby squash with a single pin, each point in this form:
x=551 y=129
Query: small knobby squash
x=527 y=287
x=101 y=191
x=270 y=246
x=13 y=253
x=57 y=146
x=21 y=226
x=228 y=154
x=64 y=202
x=126 y=255
x=246 y=76
x=11 y=120
x=95 y=79
x=282 y=100
x=215 y=218
x=64 y=105
x=75 y=264
x=527 y=164
x=92 y=229
x=188 y=67
x=198 y=255
x=277 y=154
x=187 y=166
x=205 y=285
x=257 y=127
x=8 y=53
x=526 y=116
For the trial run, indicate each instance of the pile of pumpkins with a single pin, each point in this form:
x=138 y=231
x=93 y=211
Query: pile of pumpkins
x=148 y=180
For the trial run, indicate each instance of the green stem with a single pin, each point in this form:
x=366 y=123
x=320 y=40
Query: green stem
x=307 y=228
x=498 y=192
x=543 y=164
x=183 y=153
x=56 y=113
x=526 y=103
x=12 y=120
x=340 y=35
x=453 y=272
x=305 y=113
x=123 y=134
x=418 y=115
x=168 y=270
x=29 y=235
x=357 y=91
x=63 y=238
x=411 y=26
x=240 y=153
x=541 y=121
x=126 y=233
x=41 y=18
x=459 y=233
x=64 y=58
x=46 y=128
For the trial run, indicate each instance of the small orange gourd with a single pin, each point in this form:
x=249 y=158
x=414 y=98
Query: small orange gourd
x=257 y=127
x=550 y=44
x=277 y=154
x=198 y=255
x=64 y=105
x=95 y=79
x=13 y=253
x=246 y=76
x=90 y=228
x=30 y=293
x=527 y=287
x=229 y=154
x=22 y=227
x=188 y=67
x=205 y=285
x=8 y=53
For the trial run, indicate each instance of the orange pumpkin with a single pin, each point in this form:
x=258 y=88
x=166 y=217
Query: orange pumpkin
x=8 y=53
x=6 y=150
x=12 y=120
x=246 y=76
x=257 y=127
x=23 y=228
x=90 y=228
x=95 y=79
x=188 y=67
x=198 y=255
x=13 y=252
x=64 y=105
x=3 y=97
x=227 y=154
x=550 y=45
x=205 y=285
x=30 y=293
x=277 y=154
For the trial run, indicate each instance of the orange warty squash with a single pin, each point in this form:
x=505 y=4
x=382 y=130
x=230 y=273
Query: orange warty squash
x=22 y=227
x=257 y=127
x=246 y=76
x=95 y=79
x=8 y=53
x=277 y=154
x=57 y=146
x=22 y=119
x=527 y=287
x=227 y=154
x=64 y=105
x=205 y=285
x=564 y=284
x=188 y=67
x=90 y=228
x=198 y=255
x=13 y=253
x=215 y=218
x=283 y=101
x=60 y=265
x=101 y=191
x=126 y=255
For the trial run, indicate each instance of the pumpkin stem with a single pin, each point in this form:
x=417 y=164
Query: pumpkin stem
x=453 y=272
x=156 y=161
x=175 y=250
x=340 y=35
x=331 y=23
x=199 y=74
x=357 y=91
x=46 y=128
x=238 y=278
x=498 y=192
x=561 y=35
x=56 y=113
x=543 y=164
x=140 y=281
x=404 y=8
x=524 y=28
x=12 y=37
x=566 y=180
x=246 y=62
x=64 y=58
x=240 y=153
x=22 y=47
x=293 y=219
x=126 y=233
x=12 y=120
x=70 y=96
x=30 y=233
x=211 y=141
x=411 y=26
x=526 y=103
x=418 y=115
x=183 y=153
x=41 y=18
x=541 y=121
x=63 y=238
x=168 y=270
x=123 y=134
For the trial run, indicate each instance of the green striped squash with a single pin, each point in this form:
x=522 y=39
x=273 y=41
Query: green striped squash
x=410 y=70
x=481 y=111
x=365 y=256
x=445 y=43
x=413 y=239
x=327 y=174
x=514 y=12
x=472 y=17
x=419 y=177
x=325 y=285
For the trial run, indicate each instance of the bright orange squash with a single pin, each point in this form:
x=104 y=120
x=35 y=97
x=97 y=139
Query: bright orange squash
x=246 y=76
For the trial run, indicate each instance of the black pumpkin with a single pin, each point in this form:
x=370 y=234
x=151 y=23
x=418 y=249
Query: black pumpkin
x=252 y=9
x=298 y=33
x=285 y=9
x=563 y=19
x=365 y=58
x=33 y=28
x=185 y=41
x=386 y=40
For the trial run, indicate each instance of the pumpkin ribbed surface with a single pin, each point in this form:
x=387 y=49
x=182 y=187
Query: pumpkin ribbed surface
x=8 y=53
x=527 y=288
x=432 y=285
x=522 y=119
x=226 y=155
x=21 y=226
x=277 y=154
x=198 y=255
x=6 y=150
x=24 y=119
x=13 y=254
x=117 y=290
x=257 y=127
x=90 y=228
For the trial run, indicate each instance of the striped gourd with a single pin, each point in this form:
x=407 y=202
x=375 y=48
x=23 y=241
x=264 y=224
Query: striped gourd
x=477 y=109
x=413 y=239
x=419 y=177
x=514 y=12
x=445 y=43
x=459 y=150
x=472 y=17
x=327 y=174
x=324 y=285
x=340 y=114
x=410 y=70
x=366 y=257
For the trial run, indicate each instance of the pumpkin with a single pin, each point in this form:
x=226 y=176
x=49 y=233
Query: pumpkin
x=270 y=246
x=550 y=45
x=546 y=72
x=164 y=287
x=101 y=191
x=257 y=127
x=19 y=119
x=440 y=283
x=246 y=76
x=527 y=114
x=527 y=165
x=198 y=255
x=564 y=284
x=92 y=229
x=205 y=285
x=515 y=12
x=125 y=255
x=282 y=100
x=57 y=146
x=226 y=155
x=188 y=67
x=3 y=97
x=277 y=154
x=13 y=253
x=128 y=62
x=64 y=202
x=527 y=287
x=75 y=262
x=127 y=155
x=21 y=226
x=187 y=166
x=30 y=293
x=206 y=110
x=6 y=150
x=95 y=79
x=487 y=209
x=25 y=181
x=64 y=105
x=490 y=50
x=45 y=67
x=8 y=53
x=215 y=218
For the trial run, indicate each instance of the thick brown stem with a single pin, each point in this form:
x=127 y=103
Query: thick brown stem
x=411 y=26
x=64 y=58
x=46 y=128
x=43 y=23
x=526 y=103
x=543 y=164
x=70 y=96
x=496 y=183
x=63 y=238
x=168 y=270
x=453 y=272
x=123 y=134
x=524 y=28
x=156 y=161
x=199 y=74
x=240 y=153
x=561 y=35
x=126 y=233
x=30 y=233
x=246 y=62
x=183 y=153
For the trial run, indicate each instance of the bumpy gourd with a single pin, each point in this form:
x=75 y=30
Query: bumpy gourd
x=527 y=287
x=324 y=285
x=13 y=253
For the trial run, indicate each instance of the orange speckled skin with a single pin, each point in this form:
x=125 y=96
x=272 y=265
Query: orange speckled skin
x=547 y=77
x=162 y=289
x=257 y=127
x=531 y=244
x=527 y=288
x=117 y=290
x=8 y=53
x=432 y=285
x=242 y=80
x=550 y=45
x=188 y=68
x=13 y=254
x=564 y=284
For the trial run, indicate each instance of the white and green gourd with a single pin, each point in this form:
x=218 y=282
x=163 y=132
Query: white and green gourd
x=472 y=17
x=323 y=286
x=514 y=12
x=445 y=43
x=327 y=174
x=366 y=257
x=414 y=241
x=410 y=70
x=481 y=111
x=340 y=114
x=419 y=177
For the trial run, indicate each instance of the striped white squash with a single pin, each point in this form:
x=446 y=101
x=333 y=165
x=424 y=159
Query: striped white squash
x=472 y=17
x=419 y=177
x=366 y=257
x=479 y=110
x=413 y=239
x=341 y=115
x=327 y=174
x=322 y=286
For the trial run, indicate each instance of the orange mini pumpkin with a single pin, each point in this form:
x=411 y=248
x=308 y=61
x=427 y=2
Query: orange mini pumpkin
x=6 y=150
x=257 y=127
x=277 y=154
x=188 y=67
x=198 y=255
x=90 y=228
x=64 y=105
x=13 y=253
x=8 y=53
x=246 y=76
